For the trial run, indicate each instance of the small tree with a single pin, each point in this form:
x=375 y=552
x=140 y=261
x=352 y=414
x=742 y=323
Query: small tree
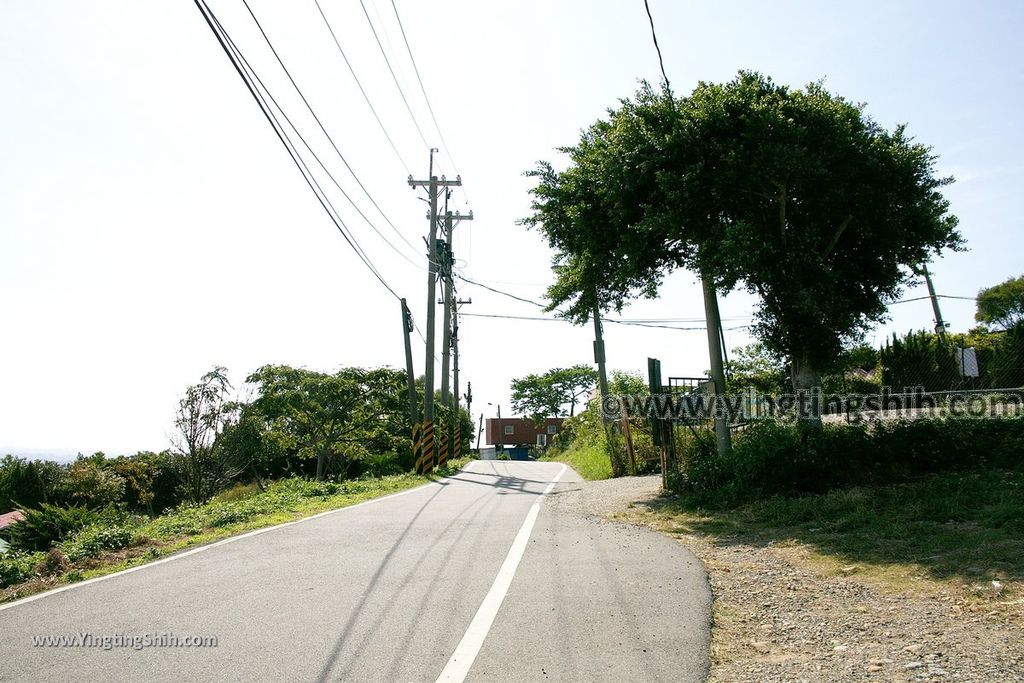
x=203 y=413
x=752 y=366
x=546 y=395
x=330 y=417
x=1002 y=304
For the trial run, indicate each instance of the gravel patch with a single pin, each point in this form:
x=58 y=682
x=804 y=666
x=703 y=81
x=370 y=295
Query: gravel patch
x=777 y=618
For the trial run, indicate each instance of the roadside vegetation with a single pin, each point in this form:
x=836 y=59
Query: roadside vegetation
x=307 y=442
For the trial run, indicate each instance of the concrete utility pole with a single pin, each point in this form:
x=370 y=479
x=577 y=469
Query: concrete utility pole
x=448 y=300
x=602 y=381
x=414 y=416
x=599 y=358
x=940 y=324
x=427 y=460
x=714 y=324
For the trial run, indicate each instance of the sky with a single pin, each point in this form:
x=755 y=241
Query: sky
x=152 y=226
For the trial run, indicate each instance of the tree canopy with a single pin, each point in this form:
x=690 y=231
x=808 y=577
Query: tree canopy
x=1002 y=304
x=795 y=195
x=330 y=417
x=547 y=394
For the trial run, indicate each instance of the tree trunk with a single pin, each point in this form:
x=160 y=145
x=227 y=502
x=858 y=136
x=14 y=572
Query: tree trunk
x=320 y=458
x=807 y=387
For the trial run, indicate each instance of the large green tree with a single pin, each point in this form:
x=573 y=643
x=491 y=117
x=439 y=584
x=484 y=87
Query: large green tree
x=795 y=195
x=546 y=394
x=1003 y=304
x=334 y=418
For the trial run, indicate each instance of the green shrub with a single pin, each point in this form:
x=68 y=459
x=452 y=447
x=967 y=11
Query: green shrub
x=380 y=464
x=93 y=540
x=772 y=458
x=47 y=525
x=88 y=483
x=17 y=567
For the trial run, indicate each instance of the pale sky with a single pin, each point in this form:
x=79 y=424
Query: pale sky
x=152 y=226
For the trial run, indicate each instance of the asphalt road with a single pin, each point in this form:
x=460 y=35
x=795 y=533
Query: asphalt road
x=478 y=577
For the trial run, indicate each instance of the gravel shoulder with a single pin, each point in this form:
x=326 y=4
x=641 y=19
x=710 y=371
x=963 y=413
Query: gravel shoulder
x=779 y=615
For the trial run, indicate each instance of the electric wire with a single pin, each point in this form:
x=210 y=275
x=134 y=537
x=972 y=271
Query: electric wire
x=306 y=144
x=393 y=76
x=275 y=124
x=361 y=89
x=298 y=90
x=423 y=89
x=603 y=320
x=654 y=35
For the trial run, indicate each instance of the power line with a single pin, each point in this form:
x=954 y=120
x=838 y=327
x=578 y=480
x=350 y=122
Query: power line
x=393 y=76
x=940 y=296
x=295 y=85
x=361 y=89
x=330 y=175
x=498 y=291
x=222 y=38
x=656 y=47
x=607 y=320
x=415 y=69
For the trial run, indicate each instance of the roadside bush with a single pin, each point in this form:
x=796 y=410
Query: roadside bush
x=54 y=563
x=92 y=540
x=47 y=525
x=380 y=464
x=17 y=567
x=772 y=458
x=87 y=483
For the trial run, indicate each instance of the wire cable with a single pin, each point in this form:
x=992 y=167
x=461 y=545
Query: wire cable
x=216 y=28
x=423 y=89
x=295 y=85
x=306 y=144
x=654 y=35
x=393 y=76
x=361 y=89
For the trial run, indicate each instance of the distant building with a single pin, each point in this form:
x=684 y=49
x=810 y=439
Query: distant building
x=521 y=431
x=9 y=518
x=6 y=520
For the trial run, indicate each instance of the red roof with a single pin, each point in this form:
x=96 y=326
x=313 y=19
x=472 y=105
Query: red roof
x=9 y=518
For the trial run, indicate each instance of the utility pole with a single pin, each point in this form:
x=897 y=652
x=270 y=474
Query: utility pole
x=445 y=247
x=414 y=417
x=940 y=324
x=457 y=431
x=602 y=381
x=714 y=324
x=450 y=441
x=426 y=461
x=599 y=358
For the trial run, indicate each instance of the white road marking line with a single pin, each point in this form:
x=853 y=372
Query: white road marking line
x=462 y=659
x=202 y=548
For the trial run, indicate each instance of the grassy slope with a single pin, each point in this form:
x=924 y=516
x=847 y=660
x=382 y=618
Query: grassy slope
x=959 y=530
x=591 y=461
x=220 y=519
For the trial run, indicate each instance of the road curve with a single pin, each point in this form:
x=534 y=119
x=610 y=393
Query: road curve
x=476 y=566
